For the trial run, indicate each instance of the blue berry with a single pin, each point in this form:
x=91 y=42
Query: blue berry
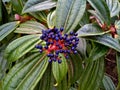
x=59 y=61
x=76 y=34
x=61 y=29
x=56 y=38
x=40 y=50
x=66 y=56
x=50 y=60
x=71 y=33
x=75 y=52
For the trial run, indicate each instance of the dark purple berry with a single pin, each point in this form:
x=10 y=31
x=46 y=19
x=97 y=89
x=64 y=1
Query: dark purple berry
x=59 y=61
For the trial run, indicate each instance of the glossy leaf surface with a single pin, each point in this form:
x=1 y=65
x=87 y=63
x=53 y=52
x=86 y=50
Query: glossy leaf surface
x=69 y=13
x=20 y=47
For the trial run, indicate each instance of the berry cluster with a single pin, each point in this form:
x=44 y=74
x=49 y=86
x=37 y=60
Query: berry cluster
x=57 y=43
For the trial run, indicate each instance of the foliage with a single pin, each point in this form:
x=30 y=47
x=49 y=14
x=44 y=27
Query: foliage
x=22 y=67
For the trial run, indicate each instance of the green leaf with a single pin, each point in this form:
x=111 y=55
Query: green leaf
x=90 y=30
x=97 y=52
x=3 y=63
x=92 y=75
x=51 y=19
x=38 y=5
x=108 y=84
x=69 y=13
x=117 y=26
x=75 y=68
x=41 y=16
x=6 y=29
x=63 y=85
x=17 y=5
x=59 y=70
x=113 y=6
x=118 y=69
x=26 y=74
x=82 y=46
x=101 y=8
x=47 y=81
x=30 y=27
x=85 y=19
x=106 y=40
x=21 y=46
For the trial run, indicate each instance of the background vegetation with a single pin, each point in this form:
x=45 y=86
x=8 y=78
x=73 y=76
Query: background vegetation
x=22 y=67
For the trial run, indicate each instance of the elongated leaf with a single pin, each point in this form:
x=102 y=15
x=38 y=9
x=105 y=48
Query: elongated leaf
x=59 y=70
x=3 y=62
x=26 y=74
x=20 y=47
x=41 y=16
x=6 y=29
x=75 y=68
x=63 y=85
x=51 y=19
x=82 y=46
x=106 y=40
x=108 y=84
x=97 y=52
x=114 y=6
x=85 y=19
x=47 y=81
x=17 y=5
x=118 y=69
x=101 y=7
x=90 y=30
x=69 y=13
x=92 y=76
x=30 y=27
x=38 y=5
x=117 y=26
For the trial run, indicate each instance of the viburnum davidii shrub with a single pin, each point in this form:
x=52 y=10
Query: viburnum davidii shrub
x=58 y=44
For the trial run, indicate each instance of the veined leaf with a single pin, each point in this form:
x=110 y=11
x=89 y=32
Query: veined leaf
x=117 y=26
x=6 y=29
x=38 y=5
x=82 y=46
x=90 y=30
x=20 y=47
x=114 y=7
x=106 y=40
x=51 y=19
x=92 y=76
x=75 y=68
x=101 y=7
x=97 y=52
x=63 y=85
x=47 y=81
x=3 y=62
x=108 y=84
x=30 y=27
x=41 y=16
x=59 y=70
x=69 y=13
x=85 y=19
x=26 y=74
